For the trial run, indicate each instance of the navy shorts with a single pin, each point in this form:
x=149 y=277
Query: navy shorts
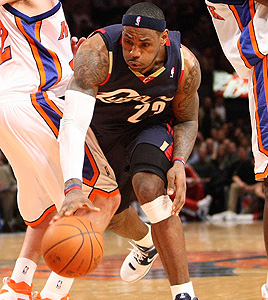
x=149 y=151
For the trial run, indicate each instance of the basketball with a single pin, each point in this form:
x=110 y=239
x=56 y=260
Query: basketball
x=72 y=246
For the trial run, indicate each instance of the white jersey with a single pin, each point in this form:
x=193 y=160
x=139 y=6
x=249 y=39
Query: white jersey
x=242 y=27
x=28 y=60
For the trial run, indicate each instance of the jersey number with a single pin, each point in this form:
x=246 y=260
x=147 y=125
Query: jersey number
x=157 y=107
x=5 y=53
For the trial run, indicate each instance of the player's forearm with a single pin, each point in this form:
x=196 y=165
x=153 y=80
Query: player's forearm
x=74 y=125
x=184 y=138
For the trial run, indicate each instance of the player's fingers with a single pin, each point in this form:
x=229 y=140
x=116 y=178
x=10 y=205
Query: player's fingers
x=170 y=184
x=177 y=205
x=91 y=206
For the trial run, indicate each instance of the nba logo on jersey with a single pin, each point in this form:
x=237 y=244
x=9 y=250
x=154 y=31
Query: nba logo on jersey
x=138 y=20
x=172 y=72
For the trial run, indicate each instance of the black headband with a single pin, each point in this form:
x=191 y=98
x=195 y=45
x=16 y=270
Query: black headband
x=144 y=22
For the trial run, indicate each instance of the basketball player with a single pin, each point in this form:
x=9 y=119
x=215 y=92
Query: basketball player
x=242 y=28
x=136 y=85
x=35 y=68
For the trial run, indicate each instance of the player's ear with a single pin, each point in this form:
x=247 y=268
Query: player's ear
x=164 y=37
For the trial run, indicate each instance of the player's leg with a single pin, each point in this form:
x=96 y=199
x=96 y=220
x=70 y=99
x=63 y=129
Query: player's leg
x=126 y=222
x=167 y=231
x=140 y=260
x=258 y=114
x=40 y=186
x=128 y=225
x=149 y=166
x=265 y=232
x=107 y=206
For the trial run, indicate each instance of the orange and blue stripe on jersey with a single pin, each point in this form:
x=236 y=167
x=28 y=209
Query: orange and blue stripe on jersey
x=260 y=90
x=247 y=43
x=52 y=115
x=47 y=62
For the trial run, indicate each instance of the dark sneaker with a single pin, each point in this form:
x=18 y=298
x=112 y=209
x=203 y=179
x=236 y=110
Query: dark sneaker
x=184 y=296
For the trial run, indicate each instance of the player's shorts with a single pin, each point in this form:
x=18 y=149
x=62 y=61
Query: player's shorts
x=150 y=151
x=28 y=138
x=258 y=105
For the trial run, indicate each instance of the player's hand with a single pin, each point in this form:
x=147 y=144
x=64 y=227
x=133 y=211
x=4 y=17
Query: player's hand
x=74 y=200
x=75 y=43
x=176 y=186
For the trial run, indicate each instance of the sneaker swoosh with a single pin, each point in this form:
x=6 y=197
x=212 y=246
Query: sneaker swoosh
x=149 y=260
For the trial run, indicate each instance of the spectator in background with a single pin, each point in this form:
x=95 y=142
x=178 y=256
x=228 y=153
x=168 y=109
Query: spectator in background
x=243 y=181
x=206 y=116
x=220 y=108
x=211 y=147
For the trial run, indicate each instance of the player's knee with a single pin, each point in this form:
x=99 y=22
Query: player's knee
x=147 y=186
x=159 y=209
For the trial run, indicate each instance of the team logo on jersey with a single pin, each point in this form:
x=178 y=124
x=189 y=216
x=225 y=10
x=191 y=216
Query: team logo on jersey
x=64 y=32
x=126 y=95
x=212 y=10
x=138 y=20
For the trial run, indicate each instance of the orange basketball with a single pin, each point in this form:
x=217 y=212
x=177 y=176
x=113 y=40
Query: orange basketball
x=72 y=246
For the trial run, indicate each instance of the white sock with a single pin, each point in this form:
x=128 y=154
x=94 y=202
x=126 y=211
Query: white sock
x=182 y=288
x=24 y=270
x=147 y=240
x=56 y=286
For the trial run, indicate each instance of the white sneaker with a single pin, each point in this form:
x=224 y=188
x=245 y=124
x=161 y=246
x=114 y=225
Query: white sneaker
x=264 y=292
x=138 y=263
x=12 y=290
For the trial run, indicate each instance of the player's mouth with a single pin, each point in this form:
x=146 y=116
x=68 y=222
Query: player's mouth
x=134 y=64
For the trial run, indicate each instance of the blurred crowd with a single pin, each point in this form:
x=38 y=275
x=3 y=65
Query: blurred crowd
x=222 y=151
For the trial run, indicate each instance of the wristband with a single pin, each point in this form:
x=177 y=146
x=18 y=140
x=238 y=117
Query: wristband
x=74 y=186
x=179 y=159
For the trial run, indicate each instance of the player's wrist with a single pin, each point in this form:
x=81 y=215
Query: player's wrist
x=72 y=184
x=179 y=159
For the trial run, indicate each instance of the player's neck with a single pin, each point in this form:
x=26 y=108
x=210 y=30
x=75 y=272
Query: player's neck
x=34 y=7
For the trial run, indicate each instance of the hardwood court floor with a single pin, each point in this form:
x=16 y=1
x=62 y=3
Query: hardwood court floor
x=226 y=261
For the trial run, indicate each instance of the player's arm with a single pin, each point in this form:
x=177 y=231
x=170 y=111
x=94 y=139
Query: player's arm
x=264 y=2
x=91 y=65
x=185 y=109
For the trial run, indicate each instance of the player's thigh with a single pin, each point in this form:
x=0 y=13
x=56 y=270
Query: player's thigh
x=32 y=149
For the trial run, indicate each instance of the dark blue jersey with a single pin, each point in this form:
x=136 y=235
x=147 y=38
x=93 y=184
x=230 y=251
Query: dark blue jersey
x=128 y=101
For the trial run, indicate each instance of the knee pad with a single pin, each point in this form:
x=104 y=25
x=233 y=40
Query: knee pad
x=158 y=209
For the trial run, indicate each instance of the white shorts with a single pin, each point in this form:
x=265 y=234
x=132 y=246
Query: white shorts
x=258 y=106
x=28 y=137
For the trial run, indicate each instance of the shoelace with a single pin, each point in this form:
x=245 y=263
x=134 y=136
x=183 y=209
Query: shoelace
x=138 y=253
x=6 y=280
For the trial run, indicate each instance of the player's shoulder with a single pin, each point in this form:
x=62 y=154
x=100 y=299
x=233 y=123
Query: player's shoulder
x=190 y=59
